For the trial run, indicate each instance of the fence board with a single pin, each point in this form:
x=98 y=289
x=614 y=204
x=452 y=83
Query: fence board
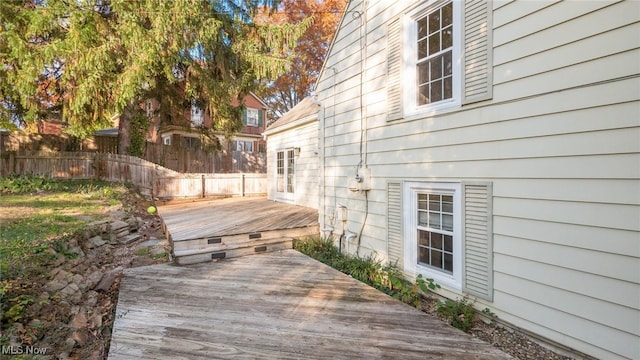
x=149 y=178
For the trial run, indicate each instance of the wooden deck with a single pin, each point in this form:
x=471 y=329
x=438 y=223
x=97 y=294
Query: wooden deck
x=280 y=305
x=205 y=230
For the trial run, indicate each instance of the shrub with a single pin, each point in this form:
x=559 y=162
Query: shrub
x=460 y=313
x=388 y=279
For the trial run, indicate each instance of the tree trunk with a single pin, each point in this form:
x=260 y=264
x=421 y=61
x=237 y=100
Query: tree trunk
x=124 y=130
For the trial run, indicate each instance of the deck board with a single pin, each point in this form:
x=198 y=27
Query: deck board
x=232 y=216
x=280 y=305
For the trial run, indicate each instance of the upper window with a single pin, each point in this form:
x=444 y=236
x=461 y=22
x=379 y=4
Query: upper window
x=252 y=117
x=431 y=57
x=434 y=62
x=197 y=115
x=433 y=245
x=148 y=108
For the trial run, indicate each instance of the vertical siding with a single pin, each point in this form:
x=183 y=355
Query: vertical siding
x=559 y=141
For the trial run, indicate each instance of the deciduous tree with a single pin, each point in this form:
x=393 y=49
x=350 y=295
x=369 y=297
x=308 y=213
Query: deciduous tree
x=296 y=84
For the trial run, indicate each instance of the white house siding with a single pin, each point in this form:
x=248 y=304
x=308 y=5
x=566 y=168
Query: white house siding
x=304 y=137
x=559 y=141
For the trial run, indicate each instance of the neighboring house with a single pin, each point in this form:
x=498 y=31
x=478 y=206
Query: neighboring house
x=494 y=147
x=52 y=125
x=187 y=133
x=292 y=156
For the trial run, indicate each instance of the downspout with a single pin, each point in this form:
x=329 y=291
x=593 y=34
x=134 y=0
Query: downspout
x=363 y=115
x=330 y=214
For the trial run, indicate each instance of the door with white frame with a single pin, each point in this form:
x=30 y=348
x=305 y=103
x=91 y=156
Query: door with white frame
x=285 y=175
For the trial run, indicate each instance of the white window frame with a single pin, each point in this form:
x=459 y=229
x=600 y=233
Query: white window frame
x=166 y=140
x=253 y=117
x=197 y=115
x=409 y=85
x=242 y=145
x=411 y=190
x=149 y=108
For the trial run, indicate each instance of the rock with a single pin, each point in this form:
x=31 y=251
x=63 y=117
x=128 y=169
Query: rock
x=95 y=321
x=91 y=299
x=95 y=242
x=80 y=337
x=120 y=234
x=91 y=281
x=133 y=223
x=117 y=226
x=77 y=279
x=59 y=281
x=108 y=279
x=96 y=224
x=76 y=250
x=72 y=293
x=73 y=242
x=79 y=320
x=153 y=241
x=123 y=251
x=158 y=251
x=142 y=261
x=129 y=238
x=55 y=285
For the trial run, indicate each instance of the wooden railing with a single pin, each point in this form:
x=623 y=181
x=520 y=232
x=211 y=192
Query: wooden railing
x=149 y=178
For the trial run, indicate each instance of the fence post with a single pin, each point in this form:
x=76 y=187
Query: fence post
x=242 y=185
x=12 y=162
x=203 y=190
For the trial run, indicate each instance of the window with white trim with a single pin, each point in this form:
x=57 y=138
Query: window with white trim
x=431 y=57
x=148 y=107
x=252 y=117
x=432 y=231
x=244 y=145
x=197 y=115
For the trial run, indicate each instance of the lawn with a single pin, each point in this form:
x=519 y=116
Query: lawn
x=37 y=213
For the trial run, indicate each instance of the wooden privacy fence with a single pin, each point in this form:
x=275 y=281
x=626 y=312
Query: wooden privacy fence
x=151 y=179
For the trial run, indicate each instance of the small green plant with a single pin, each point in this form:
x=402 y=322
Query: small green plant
x=142 y=252
x=388 y=278
x=459 y=313
x=17 y=184
x=16 y=311
x=426 y=284
x=491 y=315
x=159 y=256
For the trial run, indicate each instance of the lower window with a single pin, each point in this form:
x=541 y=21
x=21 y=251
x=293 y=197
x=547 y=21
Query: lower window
x=432 y=218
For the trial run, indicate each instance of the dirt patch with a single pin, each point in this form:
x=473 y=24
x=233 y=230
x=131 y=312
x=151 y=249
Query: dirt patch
x=67 y=310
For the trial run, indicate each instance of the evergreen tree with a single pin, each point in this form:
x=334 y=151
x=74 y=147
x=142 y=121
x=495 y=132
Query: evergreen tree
x=97 y=58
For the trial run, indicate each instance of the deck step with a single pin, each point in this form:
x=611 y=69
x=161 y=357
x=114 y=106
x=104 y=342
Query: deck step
x=220 y=242
x=255 y=246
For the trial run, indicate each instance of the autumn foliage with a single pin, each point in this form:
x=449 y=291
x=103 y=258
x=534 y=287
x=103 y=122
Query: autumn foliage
x=312 y=47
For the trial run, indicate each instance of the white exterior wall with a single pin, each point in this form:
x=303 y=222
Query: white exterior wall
x=559 y=141
x=307 y=164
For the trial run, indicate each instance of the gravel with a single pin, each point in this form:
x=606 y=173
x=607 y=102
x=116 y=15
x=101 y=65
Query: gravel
x=511 y=342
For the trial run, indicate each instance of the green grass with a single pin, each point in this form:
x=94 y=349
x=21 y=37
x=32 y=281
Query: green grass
x=35 y=213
